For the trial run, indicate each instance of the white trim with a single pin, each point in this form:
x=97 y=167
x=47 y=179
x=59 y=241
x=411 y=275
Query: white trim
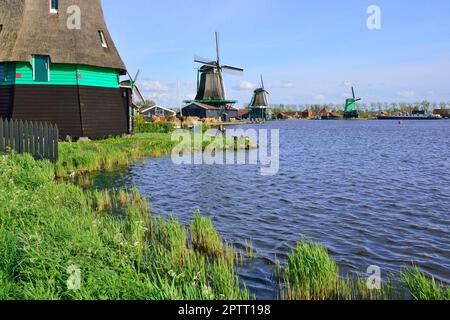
x=54 y=11
x=156 y=106
x=34 y=69
x=103 y=39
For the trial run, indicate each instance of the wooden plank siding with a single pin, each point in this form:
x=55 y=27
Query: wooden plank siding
x=52 y=104
x=6 y=101
x=84 y=101
x=103 y=112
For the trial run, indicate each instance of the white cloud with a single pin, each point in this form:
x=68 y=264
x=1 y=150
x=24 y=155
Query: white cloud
x=430 y=94
x=407 y=94
x=153 y=86
x=286 y=85
x=246 y=85
x=155 y=96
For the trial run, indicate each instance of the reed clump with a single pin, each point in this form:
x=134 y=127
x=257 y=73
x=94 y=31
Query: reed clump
x=422 y=287
x=311 y=274
x=204 y=237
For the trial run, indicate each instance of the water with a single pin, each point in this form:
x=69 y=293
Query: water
x=373 y=192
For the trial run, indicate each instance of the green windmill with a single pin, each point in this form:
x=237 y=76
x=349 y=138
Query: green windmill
x=351 y=111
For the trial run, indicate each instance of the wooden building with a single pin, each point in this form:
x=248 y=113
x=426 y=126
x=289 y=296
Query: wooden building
x=307 y=114
x=61 y=73
x=156 y=111
x=203 y=110
x=444 y=113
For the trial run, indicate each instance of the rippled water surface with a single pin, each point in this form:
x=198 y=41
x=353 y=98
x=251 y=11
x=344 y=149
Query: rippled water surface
x=373 y=192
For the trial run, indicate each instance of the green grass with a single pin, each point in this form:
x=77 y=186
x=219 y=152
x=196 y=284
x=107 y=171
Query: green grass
x=82 y=157
x=422 y=287
x=122 y=251
x=311 y=274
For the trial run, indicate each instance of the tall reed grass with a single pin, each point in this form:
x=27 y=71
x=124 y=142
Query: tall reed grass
x=311 y=274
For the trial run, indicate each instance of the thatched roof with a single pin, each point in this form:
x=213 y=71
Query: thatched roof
x=29 y=28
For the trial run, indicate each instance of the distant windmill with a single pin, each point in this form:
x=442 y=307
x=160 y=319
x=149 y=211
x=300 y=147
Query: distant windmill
x=137 y=96
x=134 y=94
x=351 y=111
x=259 y=104
x=210 y=88
x=260 y=96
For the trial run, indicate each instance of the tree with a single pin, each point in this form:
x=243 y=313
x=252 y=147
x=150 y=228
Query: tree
x=149 y=103
x=426 y=105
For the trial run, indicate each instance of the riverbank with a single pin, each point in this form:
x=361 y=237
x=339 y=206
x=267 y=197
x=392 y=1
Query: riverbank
x=53 y=233
x=78 y=158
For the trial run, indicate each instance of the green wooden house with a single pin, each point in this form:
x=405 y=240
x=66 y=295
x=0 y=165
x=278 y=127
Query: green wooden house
x=58 y=64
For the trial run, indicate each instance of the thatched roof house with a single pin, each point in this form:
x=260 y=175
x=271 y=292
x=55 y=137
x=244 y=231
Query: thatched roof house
x=60 y=65
x=30 y=28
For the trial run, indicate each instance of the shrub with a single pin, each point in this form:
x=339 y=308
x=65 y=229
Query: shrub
x=155 y=127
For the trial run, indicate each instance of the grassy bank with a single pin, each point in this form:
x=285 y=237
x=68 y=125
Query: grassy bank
x=82 y=157
x=49 y=229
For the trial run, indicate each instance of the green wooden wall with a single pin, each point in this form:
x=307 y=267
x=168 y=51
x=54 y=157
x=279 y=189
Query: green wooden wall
x=62 y=74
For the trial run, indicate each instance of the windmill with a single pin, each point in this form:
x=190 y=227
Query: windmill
x=133 y=94
x=351 y=111
x=135 y=89
x=210 y=87
x=259 y=104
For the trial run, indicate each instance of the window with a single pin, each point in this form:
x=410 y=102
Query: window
x=54 y=7
x=2 y=72
x=41 y=68
x=102 y=39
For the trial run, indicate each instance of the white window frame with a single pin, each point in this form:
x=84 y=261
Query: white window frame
x=34 y=69
x=50 y=7
x=102 y=39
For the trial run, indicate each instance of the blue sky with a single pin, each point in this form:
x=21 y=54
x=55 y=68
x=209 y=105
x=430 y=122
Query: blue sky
x=308 y=51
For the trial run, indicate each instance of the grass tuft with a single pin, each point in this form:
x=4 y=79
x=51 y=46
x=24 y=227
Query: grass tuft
x=422 y=287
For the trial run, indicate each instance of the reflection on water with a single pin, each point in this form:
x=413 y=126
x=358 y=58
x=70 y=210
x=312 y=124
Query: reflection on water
x=375 y=193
